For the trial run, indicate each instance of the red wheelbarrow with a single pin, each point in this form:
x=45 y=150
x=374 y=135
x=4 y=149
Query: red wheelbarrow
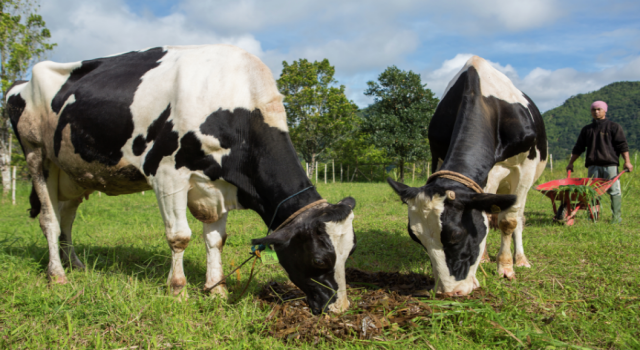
x=570 y=203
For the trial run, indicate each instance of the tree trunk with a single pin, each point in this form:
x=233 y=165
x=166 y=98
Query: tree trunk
x=312 y=166
x=401 y=170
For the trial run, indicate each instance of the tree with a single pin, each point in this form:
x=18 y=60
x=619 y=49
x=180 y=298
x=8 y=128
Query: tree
x=318 y=113
x=398 y=119
x=23 y=40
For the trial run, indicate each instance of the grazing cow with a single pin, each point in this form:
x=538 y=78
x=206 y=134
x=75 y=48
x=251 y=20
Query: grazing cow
x=493 y=135
x=205 y=128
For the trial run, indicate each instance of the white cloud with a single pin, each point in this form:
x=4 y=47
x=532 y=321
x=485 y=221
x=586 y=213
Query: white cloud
x=89 y=29
x=547 y=88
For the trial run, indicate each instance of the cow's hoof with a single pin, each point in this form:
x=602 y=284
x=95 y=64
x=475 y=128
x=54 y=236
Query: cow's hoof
x=177 y=286
x=521 y=261
x=507 y=272
x=58 y=279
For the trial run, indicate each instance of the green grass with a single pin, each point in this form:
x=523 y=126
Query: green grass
x=582 y=291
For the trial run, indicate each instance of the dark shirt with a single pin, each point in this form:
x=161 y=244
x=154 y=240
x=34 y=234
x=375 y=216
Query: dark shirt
x=604 y=141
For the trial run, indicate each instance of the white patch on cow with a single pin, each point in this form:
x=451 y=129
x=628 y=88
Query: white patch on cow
x=211 y=145
x=341 y=235
x=47 y=79
x=15 y=90
x=492 y=82
x=70 y=100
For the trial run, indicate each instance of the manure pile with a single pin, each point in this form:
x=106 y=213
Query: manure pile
x=381 y=303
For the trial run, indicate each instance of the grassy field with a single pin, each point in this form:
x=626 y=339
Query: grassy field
x=582 y=292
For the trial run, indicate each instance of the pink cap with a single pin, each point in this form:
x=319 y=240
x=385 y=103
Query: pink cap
x=599 y=104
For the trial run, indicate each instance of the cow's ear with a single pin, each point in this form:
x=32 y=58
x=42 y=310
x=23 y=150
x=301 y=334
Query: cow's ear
x=405 y=192
x=491 y=203
x=350 y=201
x=281 y=236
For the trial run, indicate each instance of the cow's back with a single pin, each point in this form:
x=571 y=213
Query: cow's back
x=101 y=120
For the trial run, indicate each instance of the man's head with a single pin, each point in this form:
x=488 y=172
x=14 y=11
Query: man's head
x=599 y=110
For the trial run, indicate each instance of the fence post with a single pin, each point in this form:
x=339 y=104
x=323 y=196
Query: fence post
x=413 y=177
x=333 y=170
x=551 y=161
x=428 y=169
x=316 y=173
x=13 y=186
x=325 y=173
x=307 y=166
x=347 y=172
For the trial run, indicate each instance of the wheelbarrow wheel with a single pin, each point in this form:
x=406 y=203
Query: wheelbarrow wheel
x=561 y=214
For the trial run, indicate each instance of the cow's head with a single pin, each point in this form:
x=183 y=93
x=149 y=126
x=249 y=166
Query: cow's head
x=451 y=223
x=313 y=249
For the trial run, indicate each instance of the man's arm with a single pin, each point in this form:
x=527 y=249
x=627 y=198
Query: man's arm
x=577 y=150
x=627 y=162
x=573 y=159
x=622 y=147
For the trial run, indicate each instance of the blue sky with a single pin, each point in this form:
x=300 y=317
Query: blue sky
x=551 y=49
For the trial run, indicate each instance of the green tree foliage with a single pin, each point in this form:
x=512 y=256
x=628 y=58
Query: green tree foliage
x=398 y=119
x=565 y=122
x=318 y=112
x=24 y=39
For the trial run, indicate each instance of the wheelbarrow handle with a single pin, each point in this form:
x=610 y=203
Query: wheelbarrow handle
x=568 y=174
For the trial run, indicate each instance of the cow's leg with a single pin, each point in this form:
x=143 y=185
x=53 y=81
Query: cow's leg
x=46 y=187
x=214 y=237
x=496 y=175
x=171 y=191
x=528 y=175
x=67 y=216
x=511 y=222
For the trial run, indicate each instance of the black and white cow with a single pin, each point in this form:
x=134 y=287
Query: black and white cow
x=206 y=129
x=487 y=130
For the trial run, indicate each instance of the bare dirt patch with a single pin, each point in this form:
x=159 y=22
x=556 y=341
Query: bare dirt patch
x=381 y=304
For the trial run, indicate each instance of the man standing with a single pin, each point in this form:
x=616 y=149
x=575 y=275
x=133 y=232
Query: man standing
x=605 y=142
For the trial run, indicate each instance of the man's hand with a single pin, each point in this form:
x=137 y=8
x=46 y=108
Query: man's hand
x=570 y=167
x=627 y=161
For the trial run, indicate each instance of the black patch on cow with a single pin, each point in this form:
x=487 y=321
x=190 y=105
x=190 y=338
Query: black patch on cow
x=36 y=205
x=193 y=157
x=166 y=143
x=139 y=145
x=532 y=153
x=14 y=109
x=100 y=118
x=462 y=232
x=156 y=127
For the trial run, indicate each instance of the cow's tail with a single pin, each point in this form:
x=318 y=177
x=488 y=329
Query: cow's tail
x=36 y=205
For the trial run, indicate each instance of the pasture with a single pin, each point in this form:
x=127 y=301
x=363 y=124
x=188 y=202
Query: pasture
x=582 y=292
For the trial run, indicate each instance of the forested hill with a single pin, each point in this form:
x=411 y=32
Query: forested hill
x=565 y=122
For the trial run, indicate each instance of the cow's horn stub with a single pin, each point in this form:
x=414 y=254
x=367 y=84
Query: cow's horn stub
x=451 y=195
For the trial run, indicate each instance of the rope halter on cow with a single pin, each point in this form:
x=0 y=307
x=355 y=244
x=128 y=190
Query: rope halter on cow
x=452 y=175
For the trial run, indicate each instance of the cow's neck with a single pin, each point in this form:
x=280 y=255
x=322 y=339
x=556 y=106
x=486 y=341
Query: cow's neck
x=272 y=177
x=472 y=148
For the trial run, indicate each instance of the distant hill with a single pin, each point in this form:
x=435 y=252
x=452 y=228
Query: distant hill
x=565 y=122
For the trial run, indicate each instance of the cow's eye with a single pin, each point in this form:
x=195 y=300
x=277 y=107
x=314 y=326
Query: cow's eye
x=319 y=263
